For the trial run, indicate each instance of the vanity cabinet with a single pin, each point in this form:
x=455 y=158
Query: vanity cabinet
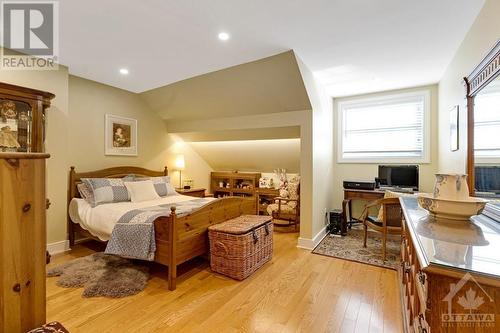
x=449 y=275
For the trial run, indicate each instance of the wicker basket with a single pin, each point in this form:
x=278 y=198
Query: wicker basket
x=240 y=246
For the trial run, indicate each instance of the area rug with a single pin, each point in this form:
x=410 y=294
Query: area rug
x=102 y=275
x=351 y=248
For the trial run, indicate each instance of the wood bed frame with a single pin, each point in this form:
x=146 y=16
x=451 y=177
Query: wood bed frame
x=178 y=239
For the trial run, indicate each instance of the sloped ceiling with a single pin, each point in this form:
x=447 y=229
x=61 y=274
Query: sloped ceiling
x=251 y=155
x=268 y=85
x=209 y=102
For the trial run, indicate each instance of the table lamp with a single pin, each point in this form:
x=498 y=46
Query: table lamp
x=180 y=165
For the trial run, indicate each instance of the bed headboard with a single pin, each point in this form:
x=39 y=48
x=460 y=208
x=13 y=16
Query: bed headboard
x=116 y=172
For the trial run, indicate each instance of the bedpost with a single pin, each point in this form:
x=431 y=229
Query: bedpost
x=172 y=265
x=165 y=171
x=71 y=195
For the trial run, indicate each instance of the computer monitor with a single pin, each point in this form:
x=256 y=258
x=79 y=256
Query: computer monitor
x=487 y=180
x=403 y=176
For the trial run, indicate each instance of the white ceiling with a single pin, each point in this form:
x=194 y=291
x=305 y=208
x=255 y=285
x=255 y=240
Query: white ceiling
x=352 y=46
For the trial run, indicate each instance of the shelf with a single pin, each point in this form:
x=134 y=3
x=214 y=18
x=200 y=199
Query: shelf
x=221 y=189
x=242 y=190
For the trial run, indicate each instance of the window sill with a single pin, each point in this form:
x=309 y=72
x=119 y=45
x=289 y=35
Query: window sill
x=383 y=161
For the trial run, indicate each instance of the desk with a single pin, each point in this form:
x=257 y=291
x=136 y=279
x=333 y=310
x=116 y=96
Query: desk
x=352 y=194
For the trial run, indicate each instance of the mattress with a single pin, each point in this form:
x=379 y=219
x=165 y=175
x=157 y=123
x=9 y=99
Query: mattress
x=100 y=221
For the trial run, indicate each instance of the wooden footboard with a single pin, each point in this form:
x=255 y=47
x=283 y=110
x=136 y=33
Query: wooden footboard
x=178 y=239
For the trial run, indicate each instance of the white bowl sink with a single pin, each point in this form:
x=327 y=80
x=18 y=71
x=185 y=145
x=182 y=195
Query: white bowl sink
x=460 y=210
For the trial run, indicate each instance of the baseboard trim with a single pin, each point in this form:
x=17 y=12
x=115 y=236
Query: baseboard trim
x=58 y=247
x=310 y=244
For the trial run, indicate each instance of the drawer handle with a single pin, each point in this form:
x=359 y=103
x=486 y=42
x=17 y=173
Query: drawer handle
x=26 y=208
x=421 y=278
x=420 y=328
x=13 y=162
x=17 y=287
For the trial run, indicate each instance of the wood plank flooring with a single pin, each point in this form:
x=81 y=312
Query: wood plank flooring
x=296 y=292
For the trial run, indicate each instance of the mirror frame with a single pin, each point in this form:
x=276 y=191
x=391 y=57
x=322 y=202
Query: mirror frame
x=487 y=70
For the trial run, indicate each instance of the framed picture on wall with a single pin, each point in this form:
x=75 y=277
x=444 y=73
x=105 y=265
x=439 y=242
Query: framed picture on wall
x=120 y=136
x=454 y=131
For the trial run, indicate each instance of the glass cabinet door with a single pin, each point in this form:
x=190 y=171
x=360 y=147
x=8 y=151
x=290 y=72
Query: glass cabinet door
x=15 y=126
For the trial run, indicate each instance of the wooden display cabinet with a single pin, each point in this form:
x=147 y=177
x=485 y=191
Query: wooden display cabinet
x=23 y=206
x=242 y=184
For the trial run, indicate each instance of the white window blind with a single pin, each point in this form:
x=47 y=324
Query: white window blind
x=384 y=129
x=487 y=123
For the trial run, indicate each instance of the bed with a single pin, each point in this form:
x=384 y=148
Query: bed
x=178 y=238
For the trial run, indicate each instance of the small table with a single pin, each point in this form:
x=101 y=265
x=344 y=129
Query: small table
x=192 y=192
x=265 y=193
x=352 y=194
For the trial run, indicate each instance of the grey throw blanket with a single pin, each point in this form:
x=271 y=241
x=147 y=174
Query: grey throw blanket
x=134 y=236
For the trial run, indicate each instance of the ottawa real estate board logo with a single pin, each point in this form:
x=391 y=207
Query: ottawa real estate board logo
x=469 y=305
x=29 y=35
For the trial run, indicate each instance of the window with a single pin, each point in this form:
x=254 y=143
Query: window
x=385 y=129
x=487 y=124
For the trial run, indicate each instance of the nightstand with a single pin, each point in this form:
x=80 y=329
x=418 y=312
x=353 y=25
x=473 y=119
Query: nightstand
x=192 y=192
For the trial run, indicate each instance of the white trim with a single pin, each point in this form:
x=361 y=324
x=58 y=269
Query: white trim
x=310 y=244
x=426 y=158
x=58 y=247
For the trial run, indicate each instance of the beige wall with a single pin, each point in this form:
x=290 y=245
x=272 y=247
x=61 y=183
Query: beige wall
x=321 y=173
x=483 y=34
x=89 y=101
x=353 y=171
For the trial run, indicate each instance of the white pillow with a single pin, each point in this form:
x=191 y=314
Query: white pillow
x=141 y=190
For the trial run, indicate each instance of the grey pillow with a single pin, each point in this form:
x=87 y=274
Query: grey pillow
x=162 y=186
x=85 y=193
x=106 y=190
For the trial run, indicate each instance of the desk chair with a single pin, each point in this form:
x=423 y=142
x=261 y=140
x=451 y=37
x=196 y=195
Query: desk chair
x=390 y=223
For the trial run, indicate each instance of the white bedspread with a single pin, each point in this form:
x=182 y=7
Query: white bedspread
x=101 y=220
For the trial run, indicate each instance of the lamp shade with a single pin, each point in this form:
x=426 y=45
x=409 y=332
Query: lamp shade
x=179 y=162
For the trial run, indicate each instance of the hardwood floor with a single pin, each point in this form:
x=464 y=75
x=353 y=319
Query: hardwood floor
x=296 y=292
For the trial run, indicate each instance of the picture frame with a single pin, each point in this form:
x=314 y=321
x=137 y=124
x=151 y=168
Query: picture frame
x=120 y=136
x=454 y=128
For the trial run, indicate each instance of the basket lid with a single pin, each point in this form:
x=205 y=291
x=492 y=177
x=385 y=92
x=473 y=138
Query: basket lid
x=241 y=224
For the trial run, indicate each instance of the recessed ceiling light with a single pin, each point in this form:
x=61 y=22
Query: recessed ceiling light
x=123 y=71
x=223 y=36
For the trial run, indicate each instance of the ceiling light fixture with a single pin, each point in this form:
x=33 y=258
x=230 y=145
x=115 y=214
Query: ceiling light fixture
x=223 y=36
x=123 y=71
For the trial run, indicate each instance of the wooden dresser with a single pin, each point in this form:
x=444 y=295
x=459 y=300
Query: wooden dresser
x=450 y=273
x=22 y=241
